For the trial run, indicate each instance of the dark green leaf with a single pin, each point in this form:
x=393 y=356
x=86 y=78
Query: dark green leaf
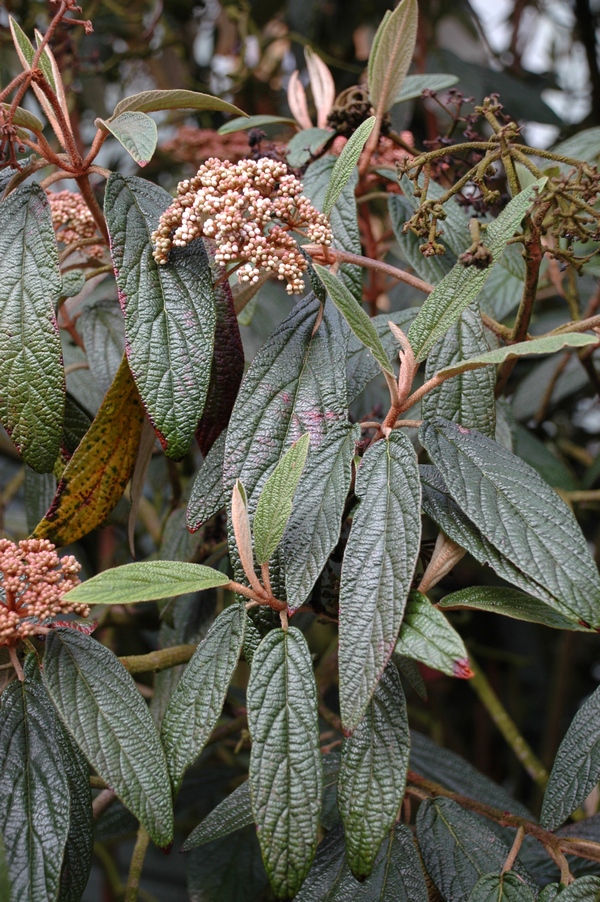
x=285 y=761
x=585 y=145
x=103 y=333
x=427 y=636
x=208 y=497
x=169 y=312
x=457 y=847
x=462 y=284
x=245 y=122
x=34 y=790
x=102 y=709
x=228 y=870
x=197 y=702
x=519 y=514
x=507 y=887
x=542 y=458
x=414 y=85
x=391 y=55
x=274 y=506
x=147 y=581
x=585 y=889
x=136 y=132
x=40 y=489
x=302 y=146
x=576 y=768
x=32 y=382
x=378 y=567
x=73 y=283
x=373 y=773
x=509 y=602
x=154 y=101
x=469 y=398
x=313 y=529
x=5 y=889
x=346 y=162
x=77 y=861
x=76 y=424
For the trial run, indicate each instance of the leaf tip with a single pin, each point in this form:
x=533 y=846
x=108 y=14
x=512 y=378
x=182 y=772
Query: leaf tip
x=462 y=670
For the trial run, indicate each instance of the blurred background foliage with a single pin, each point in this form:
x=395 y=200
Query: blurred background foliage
x=540 y=56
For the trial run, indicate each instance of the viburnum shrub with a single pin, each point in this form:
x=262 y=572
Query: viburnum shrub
x=341 y=528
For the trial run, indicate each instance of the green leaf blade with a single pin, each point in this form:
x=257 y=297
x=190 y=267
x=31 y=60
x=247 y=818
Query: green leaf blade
x=32 y=381
x=285 y=761
x=208 y=497
x=274 y=506
x=507 y=887
x=243 y=123
x=136 y=132
x=508 y=602
x=103 y=711
x=391 y=54
x=196 y=704
x=373 y=771
x=178 y=99
x=426 y=636
x=346 y=163
x=414 y=85
x=169 y=312
x=378 y=567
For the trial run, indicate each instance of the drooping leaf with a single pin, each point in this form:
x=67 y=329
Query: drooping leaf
x=427 y=636
x=468 y=399
x=373 y=773
x=95 y=477
x=509 y=602
x=391 y=55
x=519 y=514
x=154 y=101
x=169 y=312
x=576 y=768
x=146 y=581
x=396 y=876
x=208 y=497
x=346 y=163
x=32 y=381
x=134 y=131
x=314 y=527
x=24 y=119
x=508 y=887
x=285 y=761
x=274 y=505
x=103 y=711
x=197 y=702
x=548 y=345
x=457 y=848
x=34 y=790
x=228 y=869
x=414 y=85
x=362 y=366
x=77 y=860
x=378 y=567
x=243 y=122
x=356 y=317
x=462 y=284
x=227 y=367
x=103 y=334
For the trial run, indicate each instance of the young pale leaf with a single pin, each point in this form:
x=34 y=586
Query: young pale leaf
x=274 y=506
x=136 y=132
x=107 y=717
x=346 y=163
x=373 y=773
x=378 y=567
x=285 y=761
x=242 y=534
x=32 y=381
x=34 y=790
x=355 y=316
x=77 y=859
x=457 y=848
x=24 y=119
x=95 y=477
x=548 y=345
x=207 y=497
x=197 y=702
x=243 y=122
x=414 y=85
x=147 y=581
x=314 y=527
x=576 y=768
x=509 y=602
x=468 y=399
x=321 y=85
x=391 y=55
x=169 y=312
x=519 y=514
x=508 y=887
x=153 y=101
x=426 y=636
x=463 y=283
x=362 y=366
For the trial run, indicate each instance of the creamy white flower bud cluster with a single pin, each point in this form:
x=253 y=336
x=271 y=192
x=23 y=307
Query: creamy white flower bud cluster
x=249 y=209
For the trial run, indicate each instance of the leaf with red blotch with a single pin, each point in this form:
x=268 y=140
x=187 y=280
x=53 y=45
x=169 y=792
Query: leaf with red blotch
x=426 y=636
x=86 y=628
x=227 y=367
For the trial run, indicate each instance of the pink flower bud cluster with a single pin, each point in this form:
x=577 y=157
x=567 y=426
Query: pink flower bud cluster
x=33 y=583
x=72 y=220
x=249 y=209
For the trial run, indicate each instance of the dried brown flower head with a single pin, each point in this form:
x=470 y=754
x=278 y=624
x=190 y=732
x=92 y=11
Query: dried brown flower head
x=249 y=209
